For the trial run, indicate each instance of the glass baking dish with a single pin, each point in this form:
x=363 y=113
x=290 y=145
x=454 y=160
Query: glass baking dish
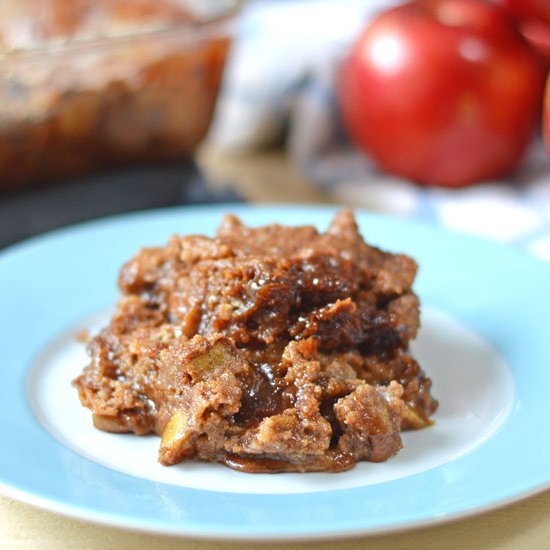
x=79 y=104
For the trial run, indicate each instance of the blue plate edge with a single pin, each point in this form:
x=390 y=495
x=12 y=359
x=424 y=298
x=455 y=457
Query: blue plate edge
x=239 y=208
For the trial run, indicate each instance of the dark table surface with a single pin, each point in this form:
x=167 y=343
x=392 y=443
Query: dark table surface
x=36 y=211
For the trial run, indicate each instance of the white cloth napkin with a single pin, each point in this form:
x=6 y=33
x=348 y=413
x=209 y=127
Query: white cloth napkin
x=280 y=81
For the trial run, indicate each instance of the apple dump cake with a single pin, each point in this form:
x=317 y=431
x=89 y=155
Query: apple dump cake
x=269 y=349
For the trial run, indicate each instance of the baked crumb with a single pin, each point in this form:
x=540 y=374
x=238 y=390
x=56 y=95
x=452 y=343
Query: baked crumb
x=267 y=349
x=82 y=336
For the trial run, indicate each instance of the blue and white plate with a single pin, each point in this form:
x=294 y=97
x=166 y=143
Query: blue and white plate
x=484 y=342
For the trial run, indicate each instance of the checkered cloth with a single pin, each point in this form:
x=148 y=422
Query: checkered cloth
x=280 y=81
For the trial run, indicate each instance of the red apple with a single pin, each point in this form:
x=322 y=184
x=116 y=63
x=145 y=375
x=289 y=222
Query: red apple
x=527 y=9
x=442 y=92
x=533 y=20
x=546 y=116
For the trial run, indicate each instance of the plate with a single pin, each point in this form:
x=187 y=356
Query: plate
x=483 y=342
